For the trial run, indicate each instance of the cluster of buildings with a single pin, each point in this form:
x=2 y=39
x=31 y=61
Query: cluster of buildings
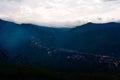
x=76 y=55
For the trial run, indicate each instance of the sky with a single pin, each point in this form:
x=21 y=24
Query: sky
x=60 y=13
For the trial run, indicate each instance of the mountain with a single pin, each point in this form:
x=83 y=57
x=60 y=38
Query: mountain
x=62 y=48
x=28 y=43
x=12 y=35
x=95 y=38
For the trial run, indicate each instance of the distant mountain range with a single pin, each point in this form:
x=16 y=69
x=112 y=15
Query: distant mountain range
x=96 y=38
x=32 y=44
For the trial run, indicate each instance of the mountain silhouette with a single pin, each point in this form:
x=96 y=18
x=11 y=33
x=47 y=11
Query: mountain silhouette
x=95 y=38
x=38 y=45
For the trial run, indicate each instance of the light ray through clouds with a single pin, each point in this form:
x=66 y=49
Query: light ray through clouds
x=64 y=13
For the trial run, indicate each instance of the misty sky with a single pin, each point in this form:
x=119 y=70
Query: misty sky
x=60 y=13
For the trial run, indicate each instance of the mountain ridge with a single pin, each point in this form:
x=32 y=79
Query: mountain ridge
x=31 y=44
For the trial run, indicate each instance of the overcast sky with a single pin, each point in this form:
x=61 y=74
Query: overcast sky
x=60 y=13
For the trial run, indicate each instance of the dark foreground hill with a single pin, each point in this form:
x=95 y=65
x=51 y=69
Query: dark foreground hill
x=17 y=72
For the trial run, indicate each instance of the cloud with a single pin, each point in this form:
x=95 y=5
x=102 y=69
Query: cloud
x=56 y=13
